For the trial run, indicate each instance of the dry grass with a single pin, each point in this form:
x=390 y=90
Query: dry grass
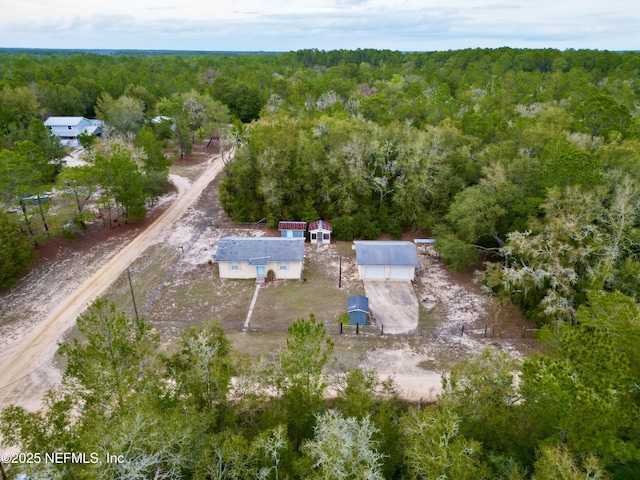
x=281 y=302
x=175 y=293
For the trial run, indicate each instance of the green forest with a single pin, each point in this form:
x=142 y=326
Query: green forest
x=523 y=164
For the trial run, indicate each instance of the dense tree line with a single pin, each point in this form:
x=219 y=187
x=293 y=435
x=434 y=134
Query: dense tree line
x=173 y=411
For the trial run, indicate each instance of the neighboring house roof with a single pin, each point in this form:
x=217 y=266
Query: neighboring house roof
x=373 y=252
x=260 y=250
x=358 y=303
x=64 y=121
x=320 y=225
x=160 y=119
x=292 y=226
x=73 y=126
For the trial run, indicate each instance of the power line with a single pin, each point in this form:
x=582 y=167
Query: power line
x=29 y=373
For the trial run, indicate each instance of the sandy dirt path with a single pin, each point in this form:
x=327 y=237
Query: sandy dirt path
x=25 y=367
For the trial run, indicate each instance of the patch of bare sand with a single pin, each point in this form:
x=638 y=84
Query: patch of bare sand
x=401 y=364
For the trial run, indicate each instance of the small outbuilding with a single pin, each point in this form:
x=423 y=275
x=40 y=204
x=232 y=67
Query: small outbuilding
x=386 y=260
x=358 y=309
x=292 y=229
x=425 y=245
x=254 y=257
x=320 y=232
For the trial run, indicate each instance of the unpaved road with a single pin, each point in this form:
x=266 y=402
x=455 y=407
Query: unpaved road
x=25 y=368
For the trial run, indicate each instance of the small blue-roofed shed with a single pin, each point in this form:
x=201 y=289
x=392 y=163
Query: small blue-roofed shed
x=358 y=309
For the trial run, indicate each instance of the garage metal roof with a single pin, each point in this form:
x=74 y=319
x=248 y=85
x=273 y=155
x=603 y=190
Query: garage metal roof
x=373 y=252
x=260 y=250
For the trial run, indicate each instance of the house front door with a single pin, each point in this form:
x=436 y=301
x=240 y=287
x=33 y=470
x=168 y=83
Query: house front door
x=260 y=270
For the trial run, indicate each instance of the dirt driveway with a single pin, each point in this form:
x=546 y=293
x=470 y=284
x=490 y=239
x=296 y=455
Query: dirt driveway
x=26 y=371
x=394 y=304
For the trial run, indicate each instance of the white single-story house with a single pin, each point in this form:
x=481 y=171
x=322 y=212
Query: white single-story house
x=254 y=257
x=292 y=229
x=386 y=260
x=67 y=129
x=320 y=232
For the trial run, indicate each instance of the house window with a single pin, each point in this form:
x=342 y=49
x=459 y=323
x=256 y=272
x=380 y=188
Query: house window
x=235 y=266
x=283 y=265
x=313 y=236
x=325 y=236
x=69 y=127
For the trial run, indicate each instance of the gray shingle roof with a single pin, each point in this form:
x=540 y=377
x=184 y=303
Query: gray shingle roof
x=373 y=252
x=260 y=250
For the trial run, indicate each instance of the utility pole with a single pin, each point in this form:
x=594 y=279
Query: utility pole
x=340 y=274
x=133 y=297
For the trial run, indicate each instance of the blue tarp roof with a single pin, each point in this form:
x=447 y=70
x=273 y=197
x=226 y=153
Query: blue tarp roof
x=373 y=252
x=358 y=303
x=260 y=250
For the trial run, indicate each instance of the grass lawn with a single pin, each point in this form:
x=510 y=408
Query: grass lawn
x=174 y=296
x=200 y=295
x=282 y=302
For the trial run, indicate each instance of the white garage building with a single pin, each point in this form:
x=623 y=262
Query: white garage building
x=386 y=260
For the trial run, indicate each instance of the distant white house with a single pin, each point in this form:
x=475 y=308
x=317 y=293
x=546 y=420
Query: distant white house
x=67 y=129
x=386 y=260
x=254 y=257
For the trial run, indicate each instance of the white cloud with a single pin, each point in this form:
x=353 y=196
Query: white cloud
x=291 y=25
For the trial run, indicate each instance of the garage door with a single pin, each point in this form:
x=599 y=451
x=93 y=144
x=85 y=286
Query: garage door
x=400 y=273
x=374 y=273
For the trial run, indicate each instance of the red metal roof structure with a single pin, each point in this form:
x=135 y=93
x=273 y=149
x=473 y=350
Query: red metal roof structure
x=292 y=226
x=320 y=225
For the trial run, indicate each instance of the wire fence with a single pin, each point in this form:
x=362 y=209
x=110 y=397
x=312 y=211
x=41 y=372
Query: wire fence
x=381 y=330
x=353 y=331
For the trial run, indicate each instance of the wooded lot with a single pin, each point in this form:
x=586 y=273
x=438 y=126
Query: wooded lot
x=524 y=164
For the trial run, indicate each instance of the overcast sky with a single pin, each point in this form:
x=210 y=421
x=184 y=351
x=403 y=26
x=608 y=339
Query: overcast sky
x=283 y=25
